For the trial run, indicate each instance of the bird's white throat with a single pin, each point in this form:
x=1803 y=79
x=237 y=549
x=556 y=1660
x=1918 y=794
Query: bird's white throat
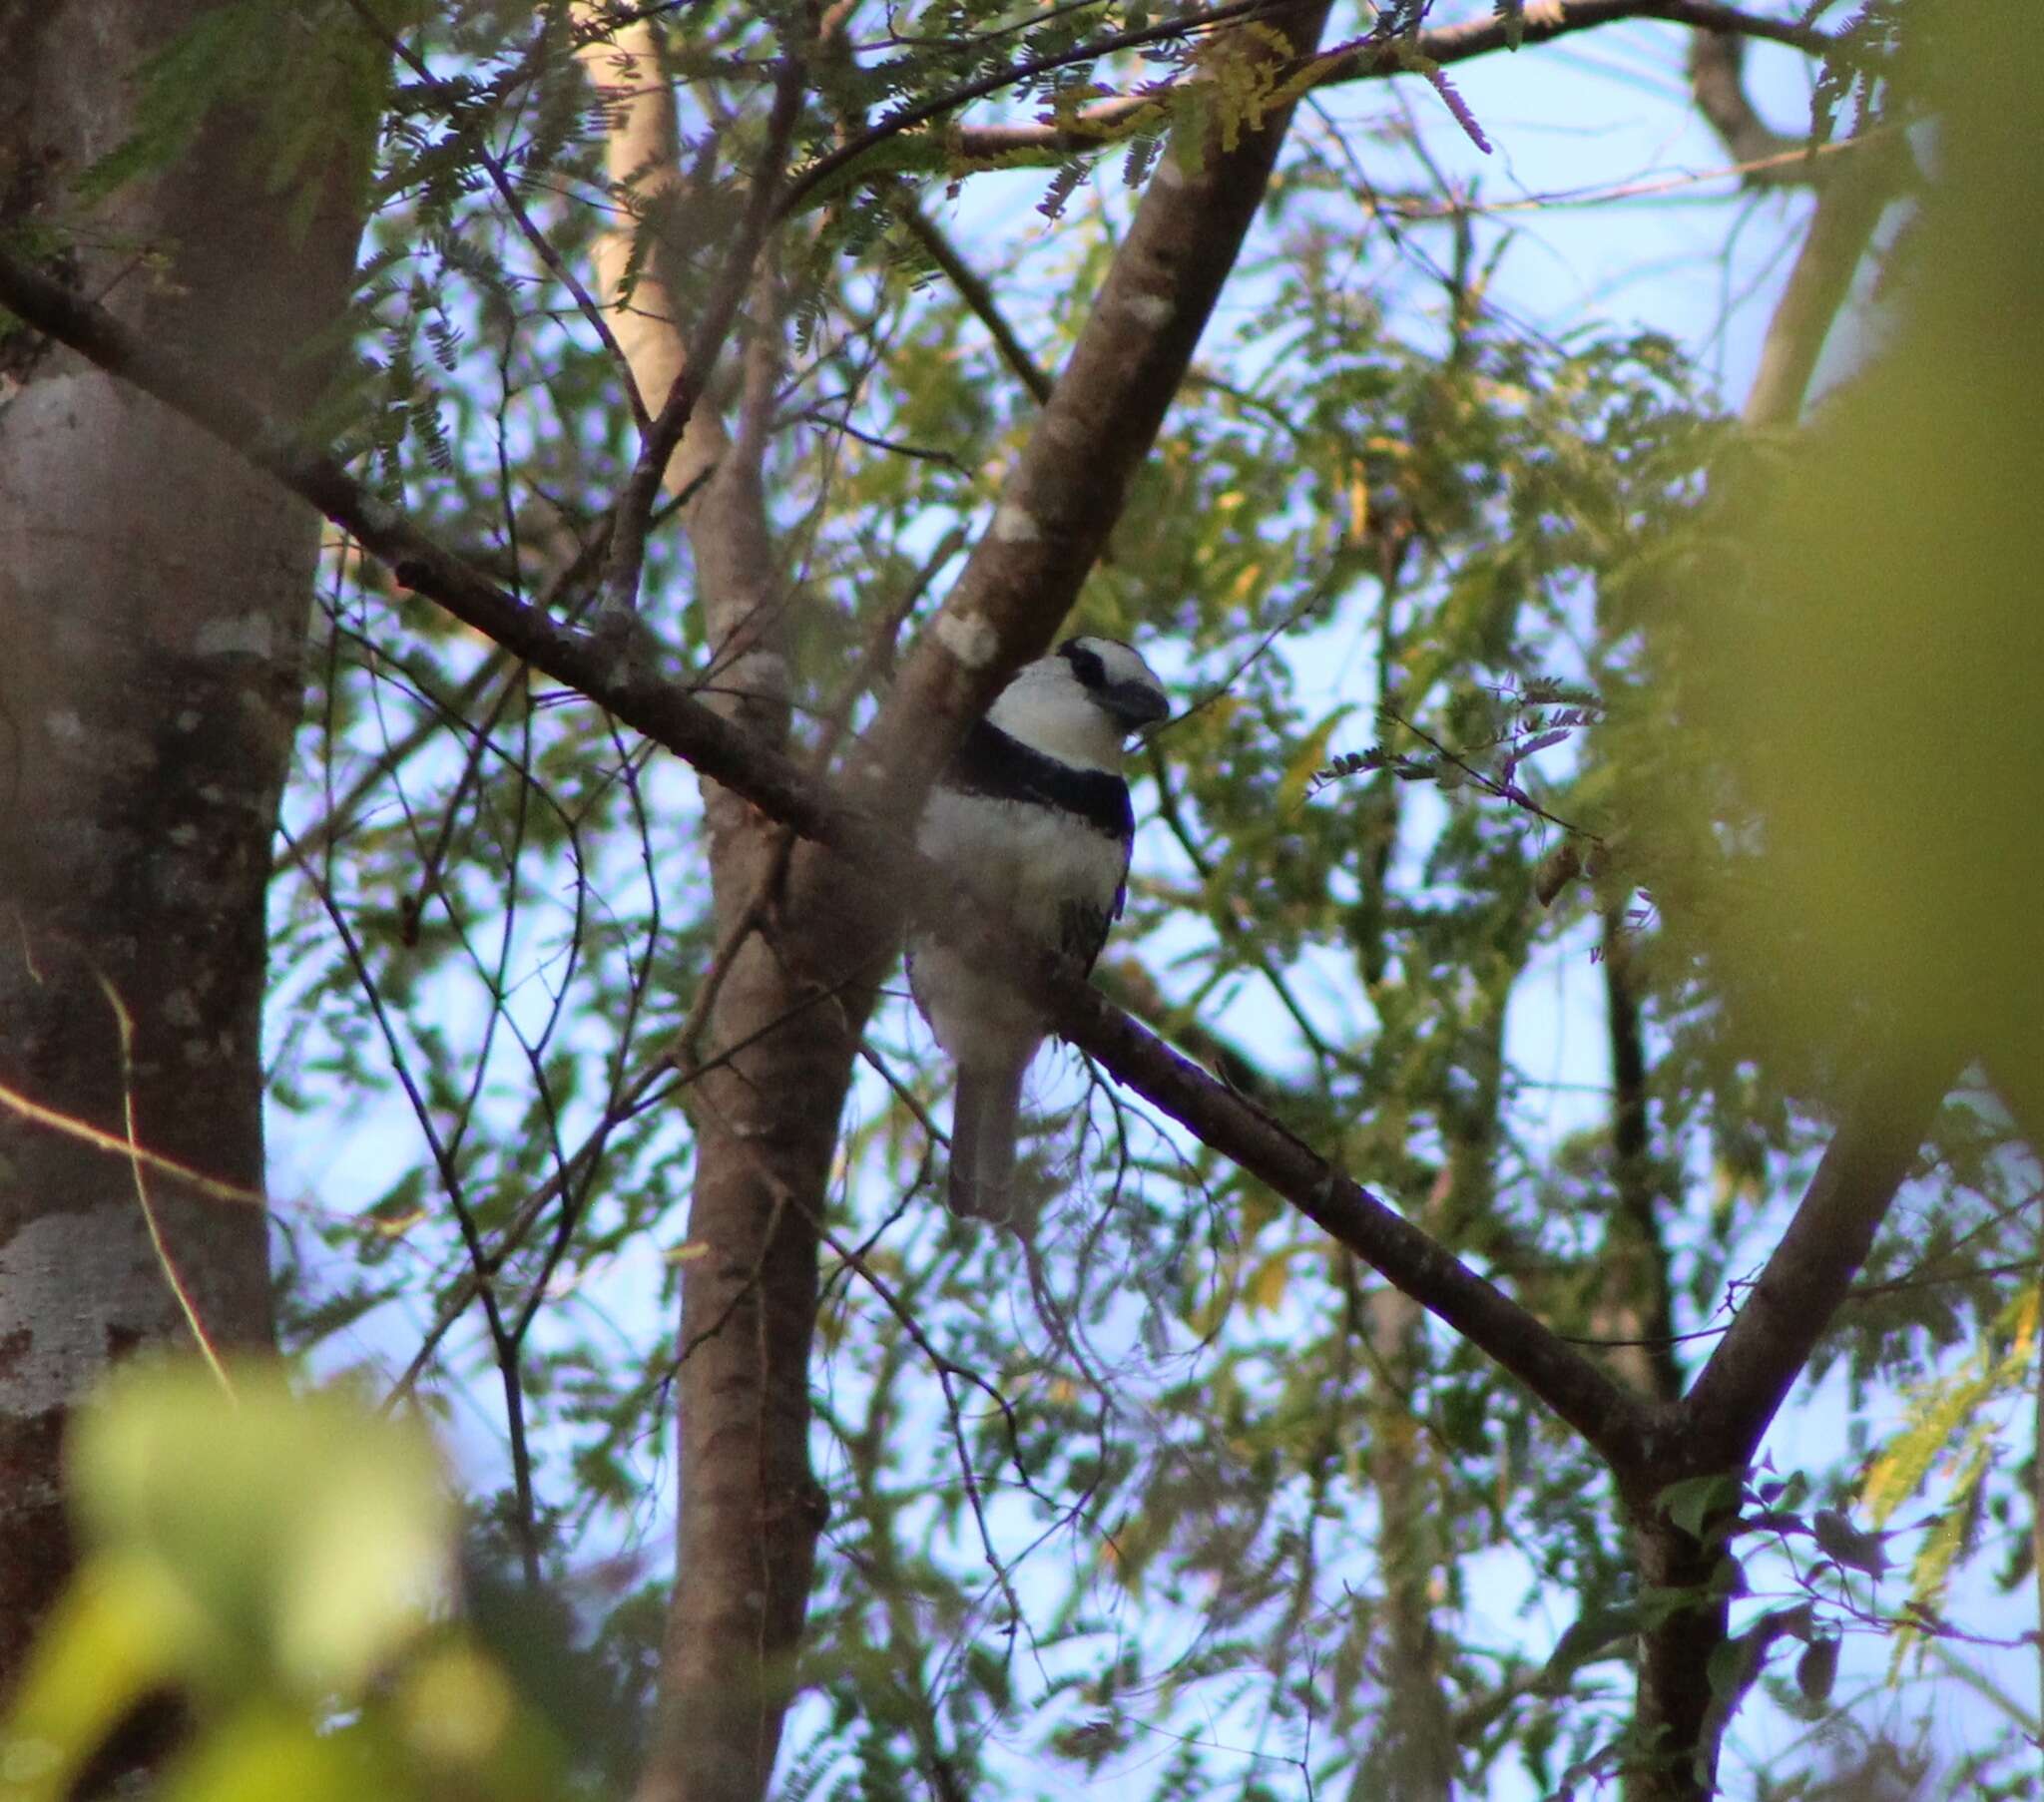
x=1044 y=709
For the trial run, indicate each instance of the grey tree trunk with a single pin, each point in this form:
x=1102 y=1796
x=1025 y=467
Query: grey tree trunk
x=1412 y=1758
x=154 y=596
x=804 y=944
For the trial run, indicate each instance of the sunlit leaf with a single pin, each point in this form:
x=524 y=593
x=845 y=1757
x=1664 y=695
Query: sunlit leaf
x=300 y=1531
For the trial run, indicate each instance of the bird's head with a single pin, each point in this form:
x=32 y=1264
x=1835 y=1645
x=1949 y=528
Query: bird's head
x=1081 y=703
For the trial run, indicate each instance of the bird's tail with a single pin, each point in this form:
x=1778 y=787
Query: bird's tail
x=984 y=1117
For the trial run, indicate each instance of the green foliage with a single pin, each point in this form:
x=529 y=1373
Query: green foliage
x=1698 y=1502
x=303 y=84
x=1177 y=1478
x=1901 y=847
x=276 y=1561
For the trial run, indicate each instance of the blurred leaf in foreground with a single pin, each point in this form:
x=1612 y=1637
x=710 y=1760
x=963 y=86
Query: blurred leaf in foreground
x=1874 y=668
x=263 y=1553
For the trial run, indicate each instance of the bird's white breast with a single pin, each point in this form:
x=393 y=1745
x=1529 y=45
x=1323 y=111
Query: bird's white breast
x=1026 y=859
x=1027 y=862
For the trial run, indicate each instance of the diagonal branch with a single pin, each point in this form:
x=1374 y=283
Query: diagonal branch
x=976 y=294
x=1064 y=492
x=1749 y=1375
x=1608 y=1416
x=663 y=711
x=1581 y=1394
x=1371 y=58
x=1850 y=206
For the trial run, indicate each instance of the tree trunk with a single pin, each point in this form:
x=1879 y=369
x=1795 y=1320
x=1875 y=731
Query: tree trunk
x=153 y=597
x=1412 y=1758
x=1728 y=1410
x=802 y=945
x=790 y=1003
x=1675 y=1754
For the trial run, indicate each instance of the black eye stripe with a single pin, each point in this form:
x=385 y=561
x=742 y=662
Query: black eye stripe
x=1085 y=664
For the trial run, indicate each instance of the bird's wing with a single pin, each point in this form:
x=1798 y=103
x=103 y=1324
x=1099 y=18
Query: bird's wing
x=1082 y=928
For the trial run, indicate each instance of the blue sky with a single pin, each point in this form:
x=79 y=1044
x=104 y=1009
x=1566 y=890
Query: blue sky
x=1684 y=254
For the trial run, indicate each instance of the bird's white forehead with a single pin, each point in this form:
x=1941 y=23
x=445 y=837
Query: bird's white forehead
x=1121 y=661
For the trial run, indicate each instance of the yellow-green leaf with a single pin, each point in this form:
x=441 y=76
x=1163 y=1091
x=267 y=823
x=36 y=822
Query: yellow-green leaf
x=296 y=1537
x=1311 y=757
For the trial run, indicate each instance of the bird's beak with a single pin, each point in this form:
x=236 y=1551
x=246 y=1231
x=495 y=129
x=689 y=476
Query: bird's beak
x=1136 y=705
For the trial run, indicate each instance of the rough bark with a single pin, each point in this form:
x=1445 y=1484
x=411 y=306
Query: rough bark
x=780 y=1041
x=806 y=941
x=1609 y=1418
x=1673 y=1752
x=153 y=595
x=1648 y=1446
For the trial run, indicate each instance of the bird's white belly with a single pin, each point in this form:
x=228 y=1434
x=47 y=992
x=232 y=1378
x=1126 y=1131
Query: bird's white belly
x=1029 y=863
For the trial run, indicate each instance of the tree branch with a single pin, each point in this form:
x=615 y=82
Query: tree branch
x=1716 y=63
x=834 y=167
x=659 y=441
x=1612 y=1420
x=1635 y=1254
x=1064 y=492
x=1743 y=1384
x=974 y=290
x=1678 y=1719
x=1850 y=206
x=664 y=711
x=1366 y=59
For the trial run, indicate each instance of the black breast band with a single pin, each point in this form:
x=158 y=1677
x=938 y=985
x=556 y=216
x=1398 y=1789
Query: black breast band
x=992 y=764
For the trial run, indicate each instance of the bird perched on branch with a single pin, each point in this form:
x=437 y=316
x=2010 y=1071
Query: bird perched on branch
x=1032 y=816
